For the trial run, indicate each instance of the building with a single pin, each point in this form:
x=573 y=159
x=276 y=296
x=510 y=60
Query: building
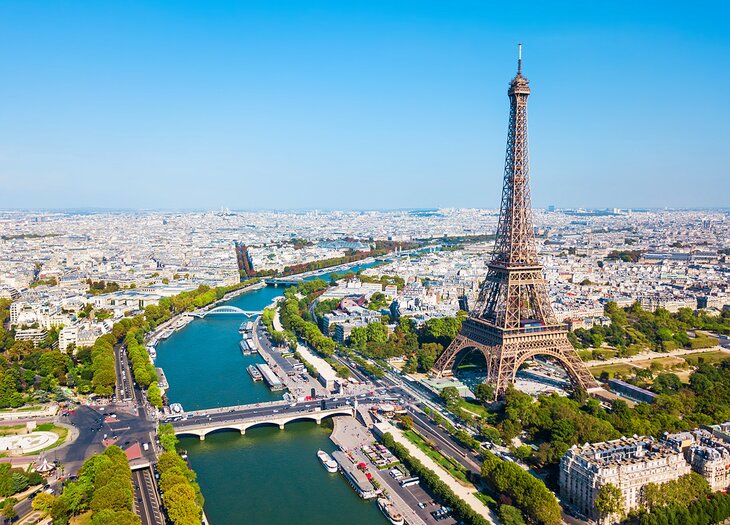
x=627 y=463
x=706 y=453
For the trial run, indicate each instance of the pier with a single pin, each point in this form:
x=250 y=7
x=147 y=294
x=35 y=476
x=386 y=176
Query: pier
x=270 y=377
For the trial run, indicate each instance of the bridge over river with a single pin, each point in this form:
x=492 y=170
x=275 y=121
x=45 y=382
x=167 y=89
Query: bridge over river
x=241 y=418
x=225 y=310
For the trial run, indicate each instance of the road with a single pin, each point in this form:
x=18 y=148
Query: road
x=146 y=497
x=237 y=415
x=124 y=388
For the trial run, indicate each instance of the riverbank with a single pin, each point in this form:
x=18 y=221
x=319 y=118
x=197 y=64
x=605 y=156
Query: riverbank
x=173 y=324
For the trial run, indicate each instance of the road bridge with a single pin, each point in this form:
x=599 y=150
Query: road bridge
x=201 y=423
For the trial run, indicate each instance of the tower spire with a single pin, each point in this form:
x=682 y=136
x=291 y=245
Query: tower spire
x=512 y=319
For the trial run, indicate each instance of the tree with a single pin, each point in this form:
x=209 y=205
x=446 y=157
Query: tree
x=484 y=392
x=43 y=502
x=406 y=422
x=450 y=395
x=609 y=502
x=509 y=515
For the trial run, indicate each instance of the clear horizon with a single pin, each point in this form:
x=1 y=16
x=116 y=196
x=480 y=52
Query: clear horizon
x=359 y=106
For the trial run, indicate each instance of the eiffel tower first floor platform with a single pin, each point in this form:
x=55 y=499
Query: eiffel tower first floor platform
x=506 y=349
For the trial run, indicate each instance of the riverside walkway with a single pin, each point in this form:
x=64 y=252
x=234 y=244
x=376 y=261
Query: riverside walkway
x=464 y=492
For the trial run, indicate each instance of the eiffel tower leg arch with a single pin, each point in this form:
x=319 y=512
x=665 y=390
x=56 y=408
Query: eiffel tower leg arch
x=579 y=375
x=447 y=362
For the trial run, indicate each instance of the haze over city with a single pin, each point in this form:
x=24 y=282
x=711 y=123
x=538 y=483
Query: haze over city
x=364 y=105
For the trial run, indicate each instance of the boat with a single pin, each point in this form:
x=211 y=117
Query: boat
x=242 y=328
x=387 y=508
x=327 y=461
x=245 y=348
x=254 y=373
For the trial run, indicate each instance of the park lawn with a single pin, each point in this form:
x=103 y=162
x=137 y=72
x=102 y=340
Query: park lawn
x=486 y=499
x=453 y=468
x=474 y=408
x=11 y=430
x=21 y=409
x=666 y=362
x=611 y=369
x=707 y=357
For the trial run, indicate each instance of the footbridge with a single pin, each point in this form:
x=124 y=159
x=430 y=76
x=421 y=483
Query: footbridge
x=225 y=310
x=200 y=423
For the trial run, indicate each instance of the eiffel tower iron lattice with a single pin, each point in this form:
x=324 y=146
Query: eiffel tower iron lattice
x=512 y=319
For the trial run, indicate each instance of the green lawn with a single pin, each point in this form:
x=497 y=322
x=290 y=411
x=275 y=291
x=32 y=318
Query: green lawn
x=453 y=467
x=476 y=408
x=611 y=369
x=707 y=357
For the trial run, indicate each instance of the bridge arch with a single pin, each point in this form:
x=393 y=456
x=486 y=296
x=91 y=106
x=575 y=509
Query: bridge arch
x=229 y=310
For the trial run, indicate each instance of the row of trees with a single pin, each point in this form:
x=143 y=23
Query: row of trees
x=144 y=371
x=102 y=492
x=180 y=492
x=293 y=311
x=437 y=487
x=704 y=511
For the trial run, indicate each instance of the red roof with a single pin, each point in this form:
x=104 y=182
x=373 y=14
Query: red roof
x=133 y=452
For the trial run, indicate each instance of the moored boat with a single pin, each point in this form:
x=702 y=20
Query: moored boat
x=327 y=461
x=387 y=508
x=254 y=373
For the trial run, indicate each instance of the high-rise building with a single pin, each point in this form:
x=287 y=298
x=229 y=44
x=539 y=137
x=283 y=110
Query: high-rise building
x=512 y=319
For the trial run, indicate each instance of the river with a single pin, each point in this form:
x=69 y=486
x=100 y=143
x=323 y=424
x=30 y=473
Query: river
x=269 y=476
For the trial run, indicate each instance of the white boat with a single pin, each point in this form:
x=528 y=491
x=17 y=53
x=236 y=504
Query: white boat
x=387 y=508
x=254 y=373
x=327 y=461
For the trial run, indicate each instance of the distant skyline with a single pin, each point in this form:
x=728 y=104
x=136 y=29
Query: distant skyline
x=359 y=105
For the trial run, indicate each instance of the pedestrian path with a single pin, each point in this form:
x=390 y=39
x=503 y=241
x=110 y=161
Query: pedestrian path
x=465 y=493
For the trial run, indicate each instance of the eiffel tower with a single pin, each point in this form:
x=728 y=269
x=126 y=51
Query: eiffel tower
x=512 y=319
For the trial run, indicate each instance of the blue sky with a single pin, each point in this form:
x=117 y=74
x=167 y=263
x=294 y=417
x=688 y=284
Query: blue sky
x=349 y=104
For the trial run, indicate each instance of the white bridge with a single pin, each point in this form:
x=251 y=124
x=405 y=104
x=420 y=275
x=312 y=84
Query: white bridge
x=225 y=310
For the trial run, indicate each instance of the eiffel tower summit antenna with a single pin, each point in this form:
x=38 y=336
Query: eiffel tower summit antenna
x=512 y=319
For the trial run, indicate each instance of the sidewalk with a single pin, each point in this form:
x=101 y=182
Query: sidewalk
x=465 y=493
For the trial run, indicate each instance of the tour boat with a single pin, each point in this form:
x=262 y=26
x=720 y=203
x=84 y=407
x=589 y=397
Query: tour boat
x=254 y=373
x=387 y=508
x=327 y=461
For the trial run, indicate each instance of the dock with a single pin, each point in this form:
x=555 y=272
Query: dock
x=357 y=479
x=270 y=377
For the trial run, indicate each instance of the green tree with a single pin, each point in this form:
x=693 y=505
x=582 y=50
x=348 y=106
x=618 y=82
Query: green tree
x=484 y=392
x=609 y=502
x=509 y=515
x=43 y=502
x=450 y=395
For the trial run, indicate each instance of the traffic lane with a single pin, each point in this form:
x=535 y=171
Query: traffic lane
x=450 y=446
x=145 y=503
x=242 y=415
x=89 y=423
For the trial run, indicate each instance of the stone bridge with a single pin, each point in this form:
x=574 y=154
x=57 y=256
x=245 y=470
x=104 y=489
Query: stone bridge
x=201 y=426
